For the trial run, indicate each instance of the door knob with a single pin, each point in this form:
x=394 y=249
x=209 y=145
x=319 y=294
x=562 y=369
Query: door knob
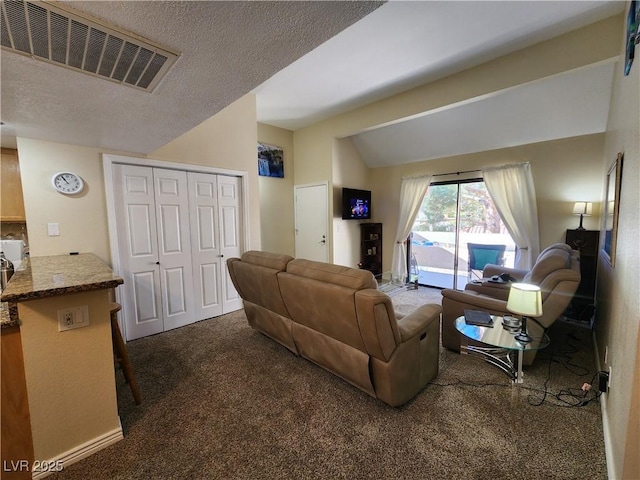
x=157 y=263
x=323 y=241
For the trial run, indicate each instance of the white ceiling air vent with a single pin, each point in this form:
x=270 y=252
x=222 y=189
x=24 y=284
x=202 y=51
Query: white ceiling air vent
x=47 y=32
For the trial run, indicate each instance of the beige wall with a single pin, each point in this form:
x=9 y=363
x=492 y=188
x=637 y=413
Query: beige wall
x=315 y=153
x=82 y=218
x=226 y=140
x=564 y=171
x=276 y=195
x=618 y=310
x=70 y=375
x=349 y=170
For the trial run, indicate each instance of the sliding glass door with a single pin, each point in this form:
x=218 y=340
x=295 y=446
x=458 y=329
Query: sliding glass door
x=456 y=232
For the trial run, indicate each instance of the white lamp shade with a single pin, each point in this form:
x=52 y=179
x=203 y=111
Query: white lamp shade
x=583 y=208
x=525 y=299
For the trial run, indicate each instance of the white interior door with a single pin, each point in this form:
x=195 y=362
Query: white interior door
x=205 y=250
x=174 y=247
x=312 y=220
x=178 y=229
x=138 y=245
x=230 y=212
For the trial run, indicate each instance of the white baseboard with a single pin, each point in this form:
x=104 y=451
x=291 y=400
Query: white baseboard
x=608 y=446
x=82 y=451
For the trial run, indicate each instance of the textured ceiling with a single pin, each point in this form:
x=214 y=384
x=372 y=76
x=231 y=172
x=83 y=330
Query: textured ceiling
x=304 y=60
x=227 y=49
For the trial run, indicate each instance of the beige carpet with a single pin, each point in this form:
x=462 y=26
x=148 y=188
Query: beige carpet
x=221 y=401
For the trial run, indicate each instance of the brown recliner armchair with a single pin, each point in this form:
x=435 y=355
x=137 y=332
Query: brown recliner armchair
x=557 y=273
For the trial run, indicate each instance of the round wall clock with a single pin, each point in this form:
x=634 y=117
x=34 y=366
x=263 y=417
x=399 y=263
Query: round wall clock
x=67 y=183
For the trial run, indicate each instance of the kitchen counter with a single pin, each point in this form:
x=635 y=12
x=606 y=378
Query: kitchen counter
x=44 y=277
x=58 y=368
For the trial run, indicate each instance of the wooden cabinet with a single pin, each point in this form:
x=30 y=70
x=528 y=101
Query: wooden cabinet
x=586 y=241
x=371 y=247
x=17 y=442
x=11 y=200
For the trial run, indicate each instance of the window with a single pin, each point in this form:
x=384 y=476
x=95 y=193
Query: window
x=452 y=216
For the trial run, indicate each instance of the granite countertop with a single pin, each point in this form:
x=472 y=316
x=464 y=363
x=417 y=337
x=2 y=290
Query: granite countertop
x=55 y=275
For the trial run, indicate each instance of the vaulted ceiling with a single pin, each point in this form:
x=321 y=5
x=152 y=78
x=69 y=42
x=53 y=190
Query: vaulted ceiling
x=307 y=61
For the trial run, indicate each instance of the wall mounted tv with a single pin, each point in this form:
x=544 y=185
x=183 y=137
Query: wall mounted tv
x=356 y=204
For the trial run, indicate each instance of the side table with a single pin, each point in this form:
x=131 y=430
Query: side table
x=499 y=344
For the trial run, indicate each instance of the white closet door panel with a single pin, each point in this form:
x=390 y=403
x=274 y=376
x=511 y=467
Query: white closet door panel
x=210 y=284
x=174 y=282
x=206 y=228
x=140 y=228
x=170 y=227
x=174 y=239
x=230 y=200
x=230 y=231
x=145 y=294
x=135 y=209
x=206 y=256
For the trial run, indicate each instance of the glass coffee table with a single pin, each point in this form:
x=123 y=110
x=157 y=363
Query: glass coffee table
x=500 y=345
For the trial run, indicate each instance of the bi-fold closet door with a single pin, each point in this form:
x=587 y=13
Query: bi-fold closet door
x=176 y=229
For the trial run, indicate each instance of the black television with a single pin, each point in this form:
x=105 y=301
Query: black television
x=356 y=204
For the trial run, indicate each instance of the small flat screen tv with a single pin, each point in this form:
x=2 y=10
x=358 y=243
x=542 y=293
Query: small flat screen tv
x=356 y=204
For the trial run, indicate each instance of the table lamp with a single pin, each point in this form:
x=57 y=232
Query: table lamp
x=526 y=300
x=584 y=209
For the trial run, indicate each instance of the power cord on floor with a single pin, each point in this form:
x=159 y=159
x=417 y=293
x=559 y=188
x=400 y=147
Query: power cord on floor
x=569 y=398
x=561 y=354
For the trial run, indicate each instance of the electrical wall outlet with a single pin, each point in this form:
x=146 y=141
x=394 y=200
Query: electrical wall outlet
x=603 y=381
x=74 y=317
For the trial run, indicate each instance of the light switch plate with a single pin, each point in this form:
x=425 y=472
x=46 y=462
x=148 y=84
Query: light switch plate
x=53 y=229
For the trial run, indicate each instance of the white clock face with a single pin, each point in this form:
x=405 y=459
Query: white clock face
x=67 y=182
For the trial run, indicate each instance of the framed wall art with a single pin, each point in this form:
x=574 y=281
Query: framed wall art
x=270 y=161
x=633 y=35
x=611 y=209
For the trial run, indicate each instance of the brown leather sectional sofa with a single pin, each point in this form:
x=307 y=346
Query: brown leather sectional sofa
x=336 y=317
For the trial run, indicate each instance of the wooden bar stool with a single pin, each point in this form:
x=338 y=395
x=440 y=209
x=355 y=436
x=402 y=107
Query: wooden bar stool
x=120 y=352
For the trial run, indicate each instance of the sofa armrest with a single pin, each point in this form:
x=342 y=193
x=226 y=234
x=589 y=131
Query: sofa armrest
x=490 y=270
x=491 y=289
x=473 y=300
x=417 y=321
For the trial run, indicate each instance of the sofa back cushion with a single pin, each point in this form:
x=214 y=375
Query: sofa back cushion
x=266 y=259
x=336 y=274
x=550 y=260
x=255 y=277
x=321 y=296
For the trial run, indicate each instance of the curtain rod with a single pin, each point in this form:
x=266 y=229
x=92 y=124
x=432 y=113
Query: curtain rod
x=455 y=173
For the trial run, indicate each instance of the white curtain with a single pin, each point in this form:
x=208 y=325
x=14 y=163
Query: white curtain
x=511 y=188
x=412 y=192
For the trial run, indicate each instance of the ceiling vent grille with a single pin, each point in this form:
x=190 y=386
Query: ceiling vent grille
x=47 y=32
